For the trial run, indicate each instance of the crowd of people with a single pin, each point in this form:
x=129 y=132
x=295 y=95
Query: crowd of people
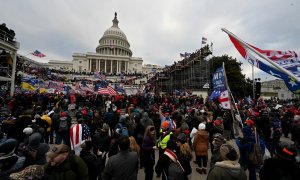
x=72 y=136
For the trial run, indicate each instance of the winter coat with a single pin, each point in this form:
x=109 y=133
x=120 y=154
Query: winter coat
x=200 y=143
x=75 y=169
x=148 y=153
x=92 y=162
x=48 y=120
x=227 y=170
x=123 y=165
x=279 y=169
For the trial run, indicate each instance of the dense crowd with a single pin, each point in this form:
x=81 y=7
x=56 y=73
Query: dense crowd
x=71 y=136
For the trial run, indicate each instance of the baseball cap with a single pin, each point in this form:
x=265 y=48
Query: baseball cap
x=58 y=149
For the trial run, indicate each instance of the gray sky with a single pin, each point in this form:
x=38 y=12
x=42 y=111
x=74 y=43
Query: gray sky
x=157 y=30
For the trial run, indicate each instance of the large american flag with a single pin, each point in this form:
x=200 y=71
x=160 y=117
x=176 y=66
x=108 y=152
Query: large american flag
x=108 y=90
x=78 y=134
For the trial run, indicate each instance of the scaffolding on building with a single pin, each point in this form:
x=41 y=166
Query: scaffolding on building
x=187 y=75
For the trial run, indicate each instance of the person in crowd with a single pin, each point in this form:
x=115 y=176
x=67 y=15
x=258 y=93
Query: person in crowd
x=63 y=164
x=245 y=146
x=228 y=168
x=148 y=151
x=296 y=132
x=101 y=139
x=9 y=161
x=123 y=165
x=134 y=146
x=62 y=133
x=165 y=135
x=218 y=140
x=92 y=161
x=164 y=161
x=228 y=125
x=113 y=146
x=48 y=121
x=185 y=154
x=283 y=166
x=214 y=127
x=200 y=145
x=35 y=152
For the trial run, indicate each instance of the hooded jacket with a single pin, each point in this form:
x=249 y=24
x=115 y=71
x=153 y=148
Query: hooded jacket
x=227 y=170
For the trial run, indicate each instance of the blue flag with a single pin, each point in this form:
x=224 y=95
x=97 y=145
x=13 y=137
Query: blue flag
x=218 y=83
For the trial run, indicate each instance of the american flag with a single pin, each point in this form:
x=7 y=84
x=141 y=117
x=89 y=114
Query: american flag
x=103 y=91
x=38 y=54
x=78 y=134
x=112 y=91
x=108 y=90
x=59 y=86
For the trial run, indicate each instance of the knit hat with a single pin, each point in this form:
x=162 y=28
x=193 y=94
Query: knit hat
x=286 y=151
x=27 y=131
x=7 y=148
x=228 y=152
x=34 y=141
x=165 y=125
x=201 y=126
x=218 y=139
x=58 y=149
x=181 y=138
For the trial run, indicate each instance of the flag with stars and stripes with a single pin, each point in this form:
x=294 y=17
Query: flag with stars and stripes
x=79 y=134
x=287 y=62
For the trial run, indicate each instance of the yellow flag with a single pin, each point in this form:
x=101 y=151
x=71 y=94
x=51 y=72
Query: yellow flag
x=27 y=86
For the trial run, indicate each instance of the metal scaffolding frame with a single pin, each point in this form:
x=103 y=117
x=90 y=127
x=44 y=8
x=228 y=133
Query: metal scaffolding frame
x=189 y=74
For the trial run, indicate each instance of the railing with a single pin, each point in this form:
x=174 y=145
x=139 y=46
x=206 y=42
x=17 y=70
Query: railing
x=6 y=37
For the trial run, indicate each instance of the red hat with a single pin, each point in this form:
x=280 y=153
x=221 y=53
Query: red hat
x=250 y=122
x=63 y=114
x=165 y=125
x=218 y=122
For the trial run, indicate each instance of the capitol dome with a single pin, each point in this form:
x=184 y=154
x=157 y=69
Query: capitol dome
x=114 y=41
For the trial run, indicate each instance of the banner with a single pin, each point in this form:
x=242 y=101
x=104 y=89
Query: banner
x=218 y=83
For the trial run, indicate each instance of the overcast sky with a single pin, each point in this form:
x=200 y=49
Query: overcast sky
x=157 y=30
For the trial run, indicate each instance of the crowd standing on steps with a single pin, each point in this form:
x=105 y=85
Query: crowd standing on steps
x=75 y=136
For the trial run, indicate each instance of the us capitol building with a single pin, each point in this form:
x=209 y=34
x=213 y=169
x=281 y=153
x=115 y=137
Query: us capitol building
x=112 y=56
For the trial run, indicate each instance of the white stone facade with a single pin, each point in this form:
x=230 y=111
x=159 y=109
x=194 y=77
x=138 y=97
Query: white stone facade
x=113 y=54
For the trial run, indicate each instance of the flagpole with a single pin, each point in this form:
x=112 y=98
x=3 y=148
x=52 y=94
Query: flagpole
x=229 y=92
x=261 y=55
